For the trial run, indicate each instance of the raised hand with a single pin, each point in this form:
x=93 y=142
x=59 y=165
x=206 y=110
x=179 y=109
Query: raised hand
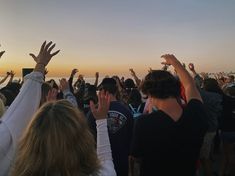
x=1 y=53
x=132 y=71
x=170 y=59
x=45 y=54
x=191 y=67
x=52 y=94
x=186 y=79
x=64 y=85
x=74 y=71
x=97 y=74
x=101 y=111
x=12 y=73
x=150 y=70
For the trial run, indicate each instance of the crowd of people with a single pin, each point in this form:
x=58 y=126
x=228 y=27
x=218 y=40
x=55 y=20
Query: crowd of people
x=165 y=124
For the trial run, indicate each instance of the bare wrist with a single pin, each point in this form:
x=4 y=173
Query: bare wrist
x=40 y=63
x=40 y=67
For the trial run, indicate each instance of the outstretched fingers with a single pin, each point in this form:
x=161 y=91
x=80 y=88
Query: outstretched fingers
x=47 y=46
x=169 y=59
x=33 y=56
x=51 y=48
x=53 y=54
x=1 y=53
x=43 y=46
x=103 y=106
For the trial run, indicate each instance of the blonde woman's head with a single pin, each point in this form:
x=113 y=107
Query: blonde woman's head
x=57 y=142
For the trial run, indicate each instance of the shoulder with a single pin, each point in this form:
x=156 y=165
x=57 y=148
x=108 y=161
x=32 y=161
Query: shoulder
x=194 y=104
x=195 y=109
x=196 y=113
x=152 y=119
x=120 y=107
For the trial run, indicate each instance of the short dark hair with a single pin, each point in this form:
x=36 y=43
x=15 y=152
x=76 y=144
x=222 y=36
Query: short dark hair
x=161 y=84
x=109 y=85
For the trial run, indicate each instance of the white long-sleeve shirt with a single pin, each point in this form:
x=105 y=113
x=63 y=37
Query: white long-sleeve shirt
x=17 y=117
x=104 y=149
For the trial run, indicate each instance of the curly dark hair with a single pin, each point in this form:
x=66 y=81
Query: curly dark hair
x=161 y=84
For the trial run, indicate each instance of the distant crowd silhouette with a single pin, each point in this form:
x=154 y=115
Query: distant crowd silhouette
x=167 y=124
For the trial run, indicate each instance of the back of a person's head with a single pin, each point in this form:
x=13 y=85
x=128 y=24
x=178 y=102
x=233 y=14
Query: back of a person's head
x=129 y=84
x=109 y=85
x=211 y=85
x=56 y=142
x=90 y=94
x=134 y=97
x=161 y=84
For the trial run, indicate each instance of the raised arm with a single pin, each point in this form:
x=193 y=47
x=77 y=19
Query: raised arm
x=192 y=69
x=197 y=78
x=73 y=72
x=191 y=91
x=12 y=74
x=137 y=80
x=1 y=53
x=96 y=79
x=18 y=115
x=103 y=144
x=67 y=94
x=5 y=78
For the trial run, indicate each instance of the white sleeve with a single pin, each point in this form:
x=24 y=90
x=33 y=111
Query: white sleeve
x=17 y=117
x=104 y=150
x=70 y=97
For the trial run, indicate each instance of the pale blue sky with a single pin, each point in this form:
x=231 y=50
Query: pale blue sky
x=111 y=36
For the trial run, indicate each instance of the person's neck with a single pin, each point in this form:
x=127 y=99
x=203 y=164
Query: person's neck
x=170 y=106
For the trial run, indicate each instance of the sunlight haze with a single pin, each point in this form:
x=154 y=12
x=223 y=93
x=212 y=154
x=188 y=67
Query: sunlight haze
x=111 y=36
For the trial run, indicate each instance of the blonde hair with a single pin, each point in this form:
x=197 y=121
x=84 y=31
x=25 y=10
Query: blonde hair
x=57 y=142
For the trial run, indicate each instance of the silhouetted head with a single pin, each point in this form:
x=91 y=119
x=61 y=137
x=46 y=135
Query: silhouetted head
x=129 y=84
x=161 y=84
x=109 y=85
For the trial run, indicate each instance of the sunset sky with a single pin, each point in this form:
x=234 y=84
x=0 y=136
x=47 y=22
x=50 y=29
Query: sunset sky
x=111 y=36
